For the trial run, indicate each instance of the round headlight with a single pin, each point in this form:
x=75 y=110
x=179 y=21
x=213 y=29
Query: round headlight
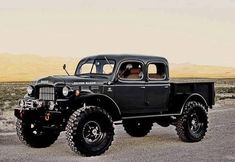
x=65 y=91
x=21 y=103
x=29 y=90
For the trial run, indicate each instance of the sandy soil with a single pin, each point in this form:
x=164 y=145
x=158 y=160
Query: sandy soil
x=7 y=121
x=225 y=103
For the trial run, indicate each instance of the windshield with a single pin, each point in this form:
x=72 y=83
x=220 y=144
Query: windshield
x=96 y=66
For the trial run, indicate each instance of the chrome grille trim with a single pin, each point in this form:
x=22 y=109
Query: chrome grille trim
x=47 y=93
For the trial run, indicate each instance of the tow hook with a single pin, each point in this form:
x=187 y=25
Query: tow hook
x=21 y=113
x=47 y=116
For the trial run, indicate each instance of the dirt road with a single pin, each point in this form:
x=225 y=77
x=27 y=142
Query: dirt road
x=162 y=144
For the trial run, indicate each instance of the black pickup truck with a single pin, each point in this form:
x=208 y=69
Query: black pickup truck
x=105 y=90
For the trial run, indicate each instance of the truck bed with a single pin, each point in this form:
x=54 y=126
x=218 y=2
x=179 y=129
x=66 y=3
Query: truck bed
x=204 y=88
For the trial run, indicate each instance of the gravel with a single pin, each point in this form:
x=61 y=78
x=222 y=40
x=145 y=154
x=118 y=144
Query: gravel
x=161 y=144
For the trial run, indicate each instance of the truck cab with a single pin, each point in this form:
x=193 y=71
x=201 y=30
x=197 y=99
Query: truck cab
x=142 y=86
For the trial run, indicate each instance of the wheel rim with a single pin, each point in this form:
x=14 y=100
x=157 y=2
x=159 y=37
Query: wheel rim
x=195 y=123
x=92 y=133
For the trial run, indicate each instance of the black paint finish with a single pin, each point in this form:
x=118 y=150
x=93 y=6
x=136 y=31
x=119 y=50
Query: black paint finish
x=128 y=98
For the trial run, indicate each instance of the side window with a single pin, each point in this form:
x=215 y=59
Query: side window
x=131 y=71
x=156 y=71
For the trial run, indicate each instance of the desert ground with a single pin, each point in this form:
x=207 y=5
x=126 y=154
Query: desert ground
x=162 y=144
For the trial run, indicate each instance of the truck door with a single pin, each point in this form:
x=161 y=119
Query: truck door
x=130 y=87
x=157 y=87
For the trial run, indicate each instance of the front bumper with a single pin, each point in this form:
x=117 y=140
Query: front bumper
x=35 y=115
x=36 y=110
x=27 y=114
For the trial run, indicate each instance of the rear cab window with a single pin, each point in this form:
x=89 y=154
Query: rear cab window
x=156 y=71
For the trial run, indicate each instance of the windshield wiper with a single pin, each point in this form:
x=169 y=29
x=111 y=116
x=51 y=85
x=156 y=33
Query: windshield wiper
x=108 y=62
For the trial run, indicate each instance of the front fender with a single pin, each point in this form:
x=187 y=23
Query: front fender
x=103 y=101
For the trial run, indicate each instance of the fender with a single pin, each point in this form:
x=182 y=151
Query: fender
x=197 y=97
x=112 y=108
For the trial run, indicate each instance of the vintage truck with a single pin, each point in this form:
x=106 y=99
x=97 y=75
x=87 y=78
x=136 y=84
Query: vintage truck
x=132 y=90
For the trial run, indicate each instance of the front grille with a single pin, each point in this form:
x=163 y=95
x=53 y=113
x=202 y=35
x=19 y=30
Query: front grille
x=47 y=93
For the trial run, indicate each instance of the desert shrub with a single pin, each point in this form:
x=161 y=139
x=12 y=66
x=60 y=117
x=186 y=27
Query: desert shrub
x=229 y=81
x=225 y=89
x=10 y=93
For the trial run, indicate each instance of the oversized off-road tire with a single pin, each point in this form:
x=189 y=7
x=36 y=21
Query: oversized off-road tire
x=90 y=131
x=33 y=136
x=192 y=125
x=137 y=128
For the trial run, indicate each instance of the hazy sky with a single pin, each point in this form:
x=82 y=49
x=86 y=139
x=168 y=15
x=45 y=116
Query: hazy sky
x=195 y=31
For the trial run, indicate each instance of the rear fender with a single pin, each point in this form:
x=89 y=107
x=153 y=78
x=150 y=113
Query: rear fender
x=194 y=97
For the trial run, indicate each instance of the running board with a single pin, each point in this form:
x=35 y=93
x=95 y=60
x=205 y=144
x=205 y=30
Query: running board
x=150 y=116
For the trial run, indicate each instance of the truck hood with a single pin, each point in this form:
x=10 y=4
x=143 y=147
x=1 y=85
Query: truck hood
x=72 y=80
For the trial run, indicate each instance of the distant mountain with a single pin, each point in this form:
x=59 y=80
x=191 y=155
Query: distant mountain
x=188 y=70
x=30 y=67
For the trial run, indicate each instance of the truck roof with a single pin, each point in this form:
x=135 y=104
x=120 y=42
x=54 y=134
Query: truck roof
x=119 y=57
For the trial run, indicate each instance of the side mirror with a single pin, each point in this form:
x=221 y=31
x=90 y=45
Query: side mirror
x=64 y=66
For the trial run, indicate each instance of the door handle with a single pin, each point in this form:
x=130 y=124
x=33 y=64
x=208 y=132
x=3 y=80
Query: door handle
x=143 y=87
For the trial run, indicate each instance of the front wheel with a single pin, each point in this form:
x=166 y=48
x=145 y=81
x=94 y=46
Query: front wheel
x=90 y=131
x=192 y=125
x=32 y=135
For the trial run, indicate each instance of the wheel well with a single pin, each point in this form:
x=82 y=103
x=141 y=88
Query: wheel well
x=197 y=98
x=104 y=102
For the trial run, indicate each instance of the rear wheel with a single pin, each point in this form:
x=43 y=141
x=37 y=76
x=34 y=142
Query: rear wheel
x=32 y=135
x=192 y=125
x=137 y=128
x=90 y=131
